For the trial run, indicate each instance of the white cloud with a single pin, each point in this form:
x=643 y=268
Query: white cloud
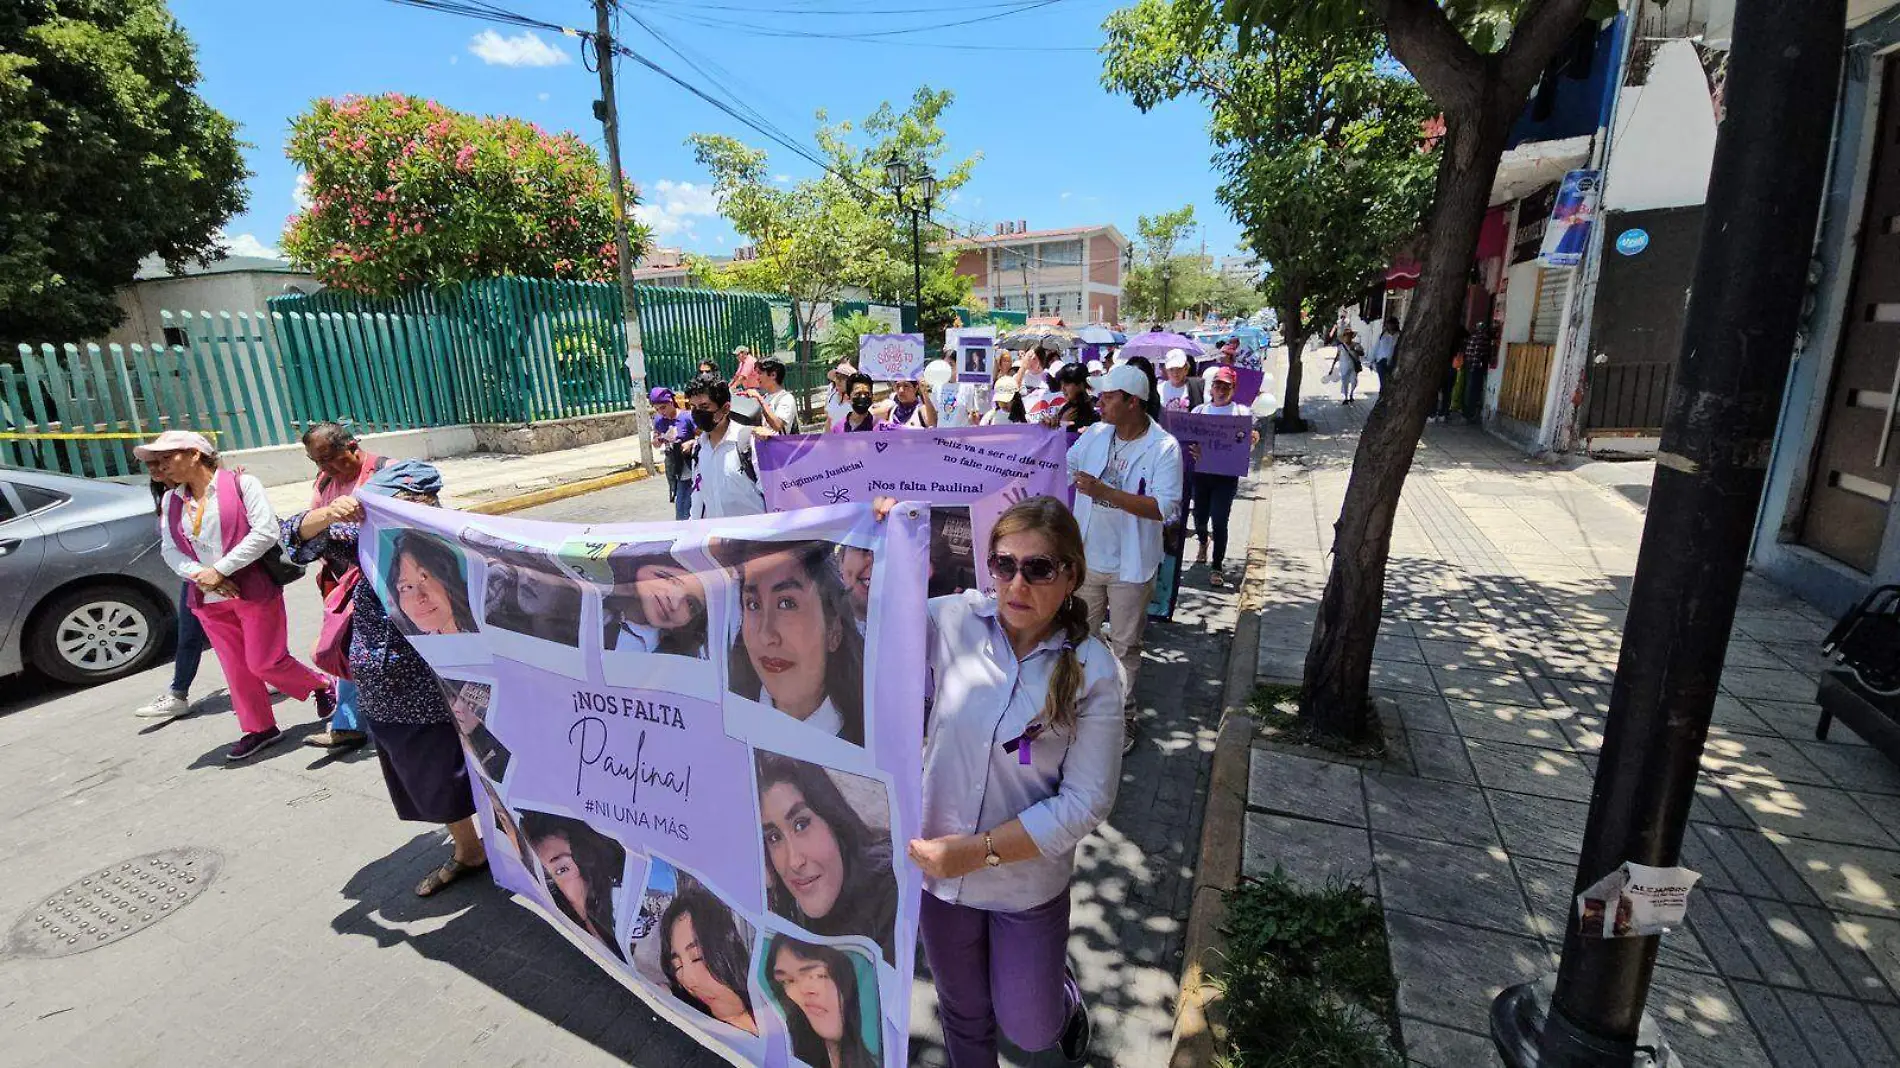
x=300 y=193
x=1066 y=195
x=524 y=49
x=781 y=178
x=672 y=208
x=245 y=245
x=541 y=96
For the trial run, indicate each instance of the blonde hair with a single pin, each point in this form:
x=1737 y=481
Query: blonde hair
x=1051 y=518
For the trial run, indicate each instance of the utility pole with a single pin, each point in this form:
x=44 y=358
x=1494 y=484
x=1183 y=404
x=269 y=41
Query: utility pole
x=1738 y=340
x=608 y=111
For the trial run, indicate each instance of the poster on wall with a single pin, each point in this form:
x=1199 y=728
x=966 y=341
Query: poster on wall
x=1571 y=217
x=889 y=317
x=659 y=751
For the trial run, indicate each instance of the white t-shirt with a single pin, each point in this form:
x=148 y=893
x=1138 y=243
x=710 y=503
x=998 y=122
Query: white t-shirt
x=206 y=535
x=785 y=406
x=1173 y=397
x=837 y=406
x=1222 y=409
x=1113 y=540
x=997 y=416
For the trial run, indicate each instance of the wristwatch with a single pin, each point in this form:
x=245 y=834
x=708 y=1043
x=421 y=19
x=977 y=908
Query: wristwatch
x=989 y=853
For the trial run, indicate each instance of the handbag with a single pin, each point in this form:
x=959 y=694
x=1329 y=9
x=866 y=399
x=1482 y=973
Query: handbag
x=279 y=566
x=332 y=652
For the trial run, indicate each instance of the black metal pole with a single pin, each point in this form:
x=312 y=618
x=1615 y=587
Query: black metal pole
x=1738 y=340
x=917 y=267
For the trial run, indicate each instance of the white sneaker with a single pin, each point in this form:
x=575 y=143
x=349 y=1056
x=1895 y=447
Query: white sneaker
x=165 y=706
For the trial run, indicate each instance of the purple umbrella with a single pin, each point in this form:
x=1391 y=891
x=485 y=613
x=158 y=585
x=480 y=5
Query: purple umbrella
x=1155 y=344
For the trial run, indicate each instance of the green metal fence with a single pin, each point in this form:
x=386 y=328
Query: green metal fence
x=502 y=350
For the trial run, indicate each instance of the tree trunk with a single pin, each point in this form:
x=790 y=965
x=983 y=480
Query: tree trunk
x=1339 y=661
x=1293 y=336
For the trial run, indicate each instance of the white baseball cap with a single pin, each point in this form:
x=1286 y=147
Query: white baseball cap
x=1095 y=367
x=176 y=441
x=1123 y=377
x=1176 y=358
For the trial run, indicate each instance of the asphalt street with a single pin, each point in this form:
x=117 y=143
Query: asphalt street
x=309 y=947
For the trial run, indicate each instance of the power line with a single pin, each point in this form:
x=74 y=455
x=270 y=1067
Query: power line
x=485 y=11
x=866 y=35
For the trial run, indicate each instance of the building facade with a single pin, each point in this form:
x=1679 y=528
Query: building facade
x=235 y=283
x=1827 y=529
x=1074 y=273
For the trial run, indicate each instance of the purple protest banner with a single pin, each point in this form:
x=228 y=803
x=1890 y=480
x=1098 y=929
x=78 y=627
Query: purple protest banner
x=1226 y=441
x=640 y=744
x=1247 y=383
x=951 y=470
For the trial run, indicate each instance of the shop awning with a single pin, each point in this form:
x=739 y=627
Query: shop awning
x=1403 y=274
x=1535 y=164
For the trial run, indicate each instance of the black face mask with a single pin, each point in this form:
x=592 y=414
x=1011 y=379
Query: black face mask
x=861 y=404
x=705 y=420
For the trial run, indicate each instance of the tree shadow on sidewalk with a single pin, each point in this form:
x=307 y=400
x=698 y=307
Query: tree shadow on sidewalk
x=476 y=928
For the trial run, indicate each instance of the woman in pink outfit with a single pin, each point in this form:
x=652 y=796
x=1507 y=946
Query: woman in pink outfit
x=214 y=527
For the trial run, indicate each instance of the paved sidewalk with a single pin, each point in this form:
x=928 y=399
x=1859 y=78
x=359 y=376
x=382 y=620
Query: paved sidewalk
x=482 y=477
x=1505 y=605
x=310 y=949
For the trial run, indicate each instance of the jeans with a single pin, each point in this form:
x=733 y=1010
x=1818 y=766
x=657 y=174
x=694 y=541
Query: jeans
x=1125 y=606
x=998 y=968
x=683 y=499
x=1444 y=393
x=190 y=647
x=1214 y=502
x=346 y=717
x=1474 y=393
x=1384 y=371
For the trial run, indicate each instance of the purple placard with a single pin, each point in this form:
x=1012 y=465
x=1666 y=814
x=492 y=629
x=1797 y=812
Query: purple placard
x=1226 y=441
x=936 y=466
x=1247 y=383
x=891 y=357
x=976 y=353
x=622 y=720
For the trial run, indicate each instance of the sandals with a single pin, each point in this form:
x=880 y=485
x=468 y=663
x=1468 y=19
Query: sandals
x=449 y=872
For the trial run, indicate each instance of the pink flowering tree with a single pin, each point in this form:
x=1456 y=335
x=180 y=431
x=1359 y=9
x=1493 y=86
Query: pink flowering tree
x=404 y=192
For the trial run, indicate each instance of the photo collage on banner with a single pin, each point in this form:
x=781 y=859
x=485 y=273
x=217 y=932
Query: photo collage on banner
x=694 y=749
x=969 y=476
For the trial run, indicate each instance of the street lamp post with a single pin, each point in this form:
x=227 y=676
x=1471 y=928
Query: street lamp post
x=897 y=174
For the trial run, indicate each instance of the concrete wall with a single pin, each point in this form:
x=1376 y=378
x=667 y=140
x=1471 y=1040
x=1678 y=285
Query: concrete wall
x=278 y=465
x=232 y=291
x=1822 y=581
x=529 y=439
x=1665 y=136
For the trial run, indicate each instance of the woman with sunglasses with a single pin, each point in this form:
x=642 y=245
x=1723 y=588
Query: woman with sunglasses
x=1214 y=494
x=1021 y=762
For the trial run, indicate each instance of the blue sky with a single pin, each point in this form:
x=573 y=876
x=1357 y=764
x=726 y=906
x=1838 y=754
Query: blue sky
x=1057 y=149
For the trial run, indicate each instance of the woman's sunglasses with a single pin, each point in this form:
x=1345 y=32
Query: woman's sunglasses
x=1035 y=570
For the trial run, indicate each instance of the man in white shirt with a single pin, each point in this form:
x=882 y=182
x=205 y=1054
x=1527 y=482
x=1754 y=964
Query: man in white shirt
x=1385 y=350
x=778 y=409
x=1127 y=475
x=725 y=474
x=1180 y=391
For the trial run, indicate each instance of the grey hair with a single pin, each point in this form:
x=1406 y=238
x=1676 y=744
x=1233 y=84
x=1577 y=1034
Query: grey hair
x=335 y=435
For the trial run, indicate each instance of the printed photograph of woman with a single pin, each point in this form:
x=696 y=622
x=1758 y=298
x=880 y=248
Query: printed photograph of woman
x=425 y=585
x=798 y=649
x=526 y=591
x=854 y=568
x=828 y=998
x=696 y=948
x=827 y=858
x=582 y=870
x=655 y=605
x=468 y=702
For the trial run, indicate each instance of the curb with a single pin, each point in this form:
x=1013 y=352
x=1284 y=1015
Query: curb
x=1223 y=825
x=562 y=492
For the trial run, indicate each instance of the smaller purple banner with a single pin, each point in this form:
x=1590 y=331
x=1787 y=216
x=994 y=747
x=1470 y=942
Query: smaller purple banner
x=1226 y=441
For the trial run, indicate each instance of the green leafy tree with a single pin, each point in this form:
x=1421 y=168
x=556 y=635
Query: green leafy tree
x=405 y=192
x=841 y=340
x=1477 y=60
x=1151 y=289
x=107 y=155
x=1317 y=143
x=843 y=228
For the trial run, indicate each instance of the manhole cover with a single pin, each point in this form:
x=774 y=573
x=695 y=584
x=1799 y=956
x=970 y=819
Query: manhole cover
x=112 y=902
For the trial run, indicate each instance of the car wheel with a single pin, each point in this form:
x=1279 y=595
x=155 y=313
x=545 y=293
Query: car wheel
x=96 y=634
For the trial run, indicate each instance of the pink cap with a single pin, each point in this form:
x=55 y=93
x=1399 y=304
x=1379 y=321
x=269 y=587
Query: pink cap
x=175 y=441
x=1226 y=374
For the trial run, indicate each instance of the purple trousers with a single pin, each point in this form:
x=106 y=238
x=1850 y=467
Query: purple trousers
x=998 y=968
